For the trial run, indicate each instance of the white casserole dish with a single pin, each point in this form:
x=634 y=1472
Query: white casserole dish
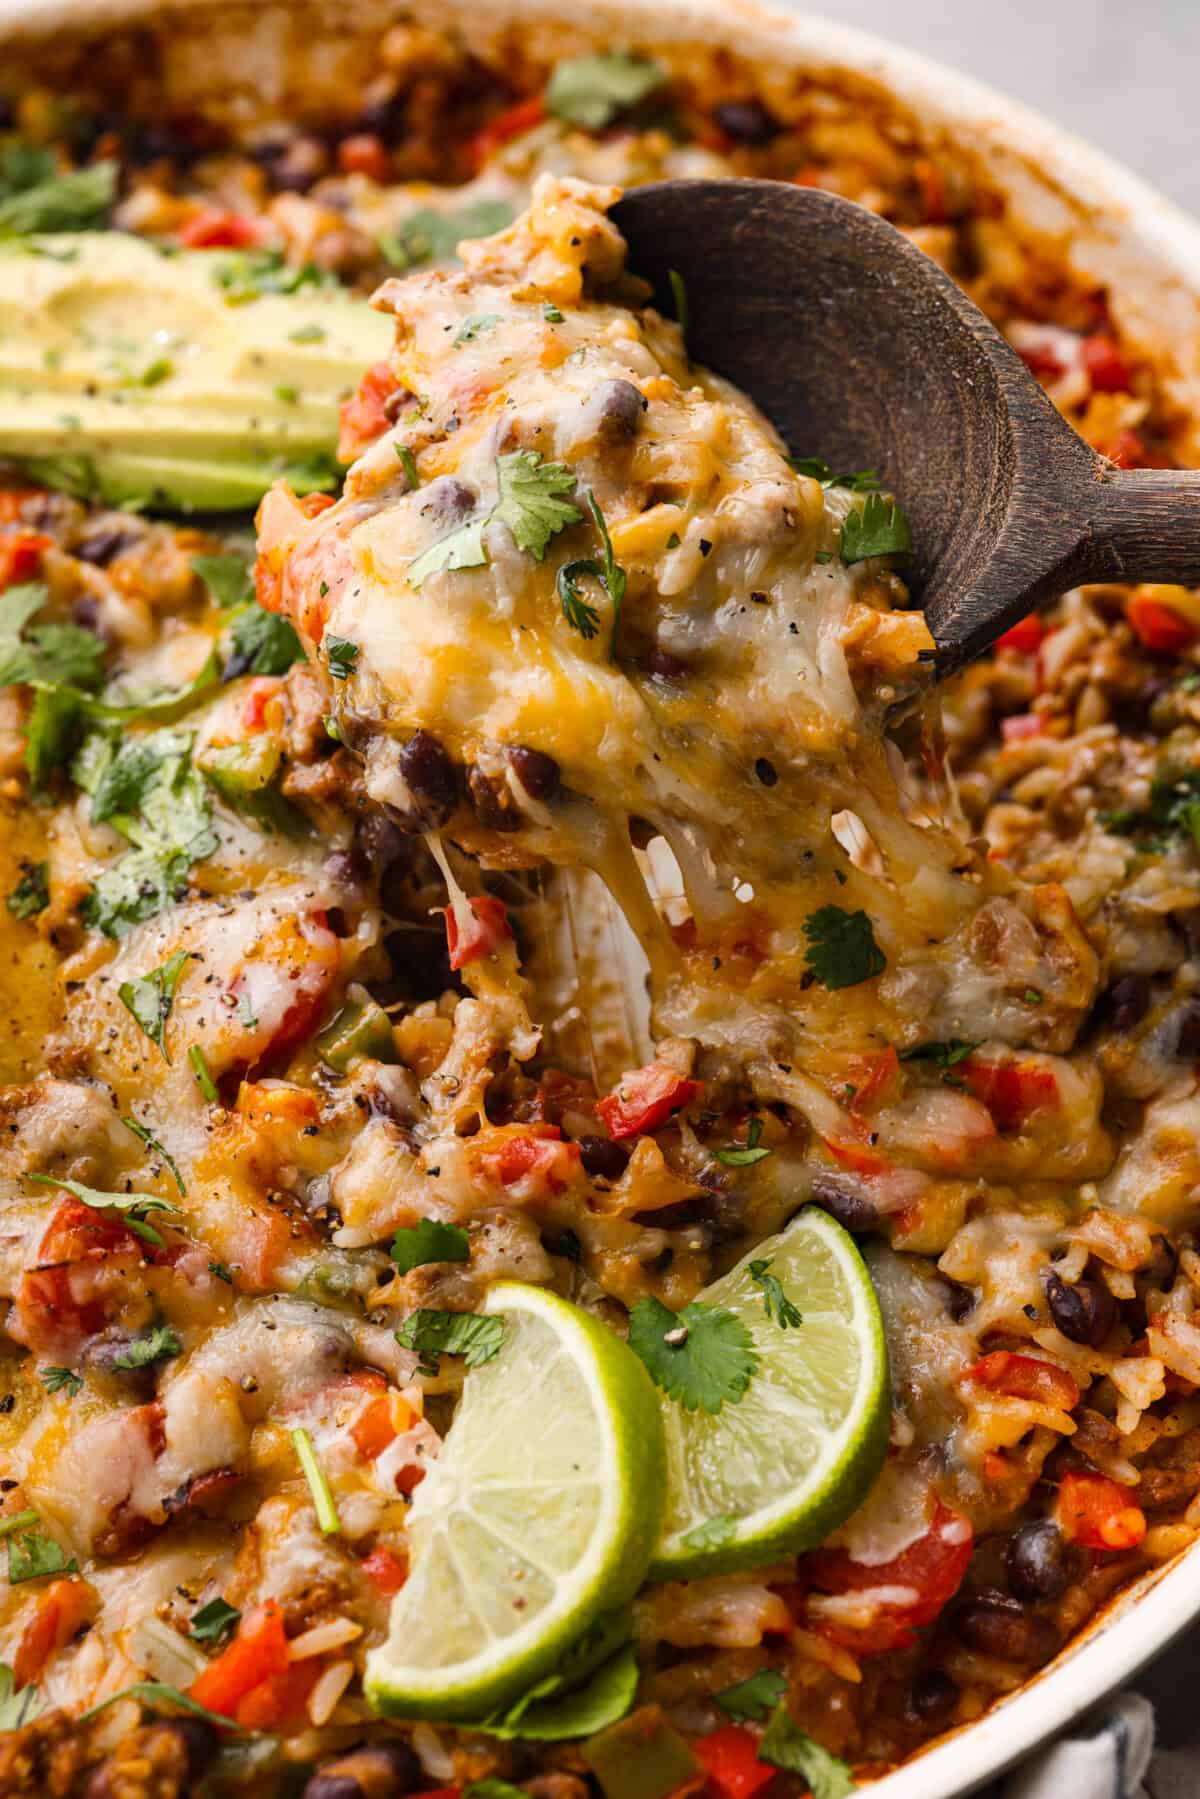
x=1095 y=215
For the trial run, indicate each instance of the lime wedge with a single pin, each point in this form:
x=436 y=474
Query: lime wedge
x=781 y=1468
x=541 y=1511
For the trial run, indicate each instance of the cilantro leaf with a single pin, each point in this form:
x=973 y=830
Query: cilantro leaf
x=784 y=1745
x=132 y=1206
x=227 y=579
x=157 y=1692
x=593 y=1685
x=461 y=548
x=591 y=91
x=735 y=1156
x=51 y=653
x=342 y=655
x=61 y=1380
x=877 y=528
x=198 y=1062
x=31 y=894
x=152 y=1143
x=16 y=1708
x=52 y=730
x=714 y=1533
x=942 y=1055
x=427 y=1241
x=530 y=502
x=163 y=703
x=249 y=274
x=842 y=950
x=776 y=1303
x=477 y=325
x=750 y=1700
x=264 y=643
x=160 y=1345
x=434 y=1334
x=77 y=201
x=702 y=1357
x=31 y=1556
x=150 y=999
x=152 y=794
x=429 y=236
x=611 y=576
x=816 y=467
x=213 y=1621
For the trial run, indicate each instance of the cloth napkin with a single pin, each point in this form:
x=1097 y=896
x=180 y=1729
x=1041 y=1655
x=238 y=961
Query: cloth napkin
x=1111 y=1753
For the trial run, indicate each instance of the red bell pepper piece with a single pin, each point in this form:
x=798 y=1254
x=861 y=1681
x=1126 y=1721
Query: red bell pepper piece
x=364 y=416
x=257 y=1653
x=488 y=929
x=514 y=123
x=1024 y=1377
x=1098 y=1513
x=1159 y=627
x=1011 y=1090
x=1025 y=636
x=645 y=1098
x=386 y=1573
x=218 y=228
x=62 y=1608
x=730 y=1759
x=933 y=1567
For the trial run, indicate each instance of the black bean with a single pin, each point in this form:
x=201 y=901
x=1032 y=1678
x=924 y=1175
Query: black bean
x=538 y=773
x=429 y=776
x=1164 y=1260
x=601 y=1156
x=766 y=772
x=491 y=801
x=932 y=1696
x=378 y=841
x=386 y=118
x=103 y=543
x=1185 y=1032
x=420 y=964
x=1085 y=1312
x=198 y=1738
x=347 y=870
x=372 y=1771
x=1005 y=1629
x=959 y=1299
x=299 y=166
x=747 y=121
x=8 y=112
x=843 y=1201
x=665 y=664
x=398 y=401
x=447 y=499
x=616 y=408
x=334 y=1786
x=1038 y=1561
x=158 y=143
x=1126 y=1003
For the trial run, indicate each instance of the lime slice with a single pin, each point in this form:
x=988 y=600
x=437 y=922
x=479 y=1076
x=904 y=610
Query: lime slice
x=781 y=1468
x=541 y=1511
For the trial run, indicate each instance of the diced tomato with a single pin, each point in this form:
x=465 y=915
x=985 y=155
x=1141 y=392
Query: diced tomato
x=856 y=1157
x=933 y=1567
x=880 y=1081
x=218 y=228
x=1159 y=627
x=373 y=1429
x=365 y=154
x=1012 y=1090
x=257 y=1653
x=62 y=1608
x=259 y=691
x=409 y=1478
x=645 y=1098
x=1025 y=636
x=21 y=555
x=13 y=501
x=1020 y=726
x=80 y=1282
x=386 y=1573
x=1024 y=1377
x=488 y=930
x=363 y=417
x=514 y=123
x=1098 y=1513
x=538 y=1150
x=266 y=1103
x=282 y=1698
x=1107 y=367
x=730 y=1759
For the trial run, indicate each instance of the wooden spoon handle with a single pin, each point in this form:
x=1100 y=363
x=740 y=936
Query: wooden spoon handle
x=1145 y=526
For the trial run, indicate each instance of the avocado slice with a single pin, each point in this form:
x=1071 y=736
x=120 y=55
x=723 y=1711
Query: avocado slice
x=173 y=380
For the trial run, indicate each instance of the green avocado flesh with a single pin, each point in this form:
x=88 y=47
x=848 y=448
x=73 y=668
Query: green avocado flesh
x=172 y=380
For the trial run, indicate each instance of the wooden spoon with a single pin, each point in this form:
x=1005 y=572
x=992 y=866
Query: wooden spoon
x=860 y=350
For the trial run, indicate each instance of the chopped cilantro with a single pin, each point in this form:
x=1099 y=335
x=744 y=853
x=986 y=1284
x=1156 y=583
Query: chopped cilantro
x=611 y=576
x=477 y=325
x=784 y=1745
x=150 y=792
x=161 y=369
x=751 y=1700
x=157 y=1692
x=249 y=274
x=318 y=1485
x=307 y=334
x=551 y=313
x=429 y=236
x=593 y=1685
x=264 y=643
x=16 y=1708
x=842 y=950
x=342 y=655
x=31 y=1556
x=286 y=394
x=408 y=463
x=429 y=1240
x=592 y=91
x=943 y=1055
x=200 y=1069
x=461 y=548
x=221 y=1272
x=702 y=1357
x=434 y=1334
x=679 y=294
x=1033 y=996
x=159 y=1345
x=132 y=1206
x=530 y=502
x=877 y=528
x=776 y=1303
x=17 y=1521
x=816 y=467
x=152 y=1143
x=61 y=1380
x=151 y=997
x=714 y=1533
x=737 y=1156
x=48 y=655
x=76 y=201
x=31 y=894
x=163 y=703
x=213 y=1621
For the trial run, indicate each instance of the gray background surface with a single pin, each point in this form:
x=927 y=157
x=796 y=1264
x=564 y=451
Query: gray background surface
x=1126 y=75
